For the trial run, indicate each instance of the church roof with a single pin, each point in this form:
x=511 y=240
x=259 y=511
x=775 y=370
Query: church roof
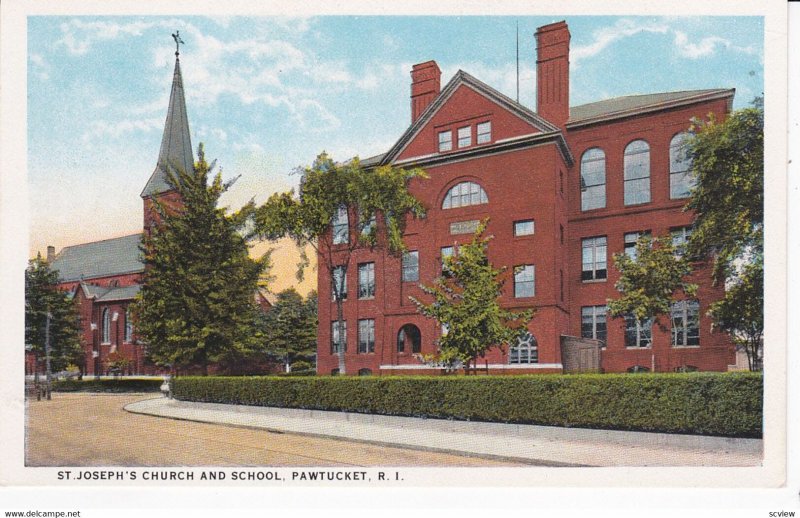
x=628 y=105
x=176 y=145
x=120 y=293
x=105 y=258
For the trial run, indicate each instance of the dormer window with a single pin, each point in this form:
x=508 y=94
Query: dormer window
x=465 y=136
x=445 y=141
x=484 y=132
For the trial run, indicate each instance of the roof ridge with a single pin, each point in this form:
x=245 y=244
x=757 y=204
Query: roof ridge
x=652 y=94
x=101 y=240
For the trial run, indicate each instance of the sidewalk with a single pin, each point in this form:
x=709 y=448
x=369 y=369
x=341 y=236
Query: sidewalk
x=537 y=445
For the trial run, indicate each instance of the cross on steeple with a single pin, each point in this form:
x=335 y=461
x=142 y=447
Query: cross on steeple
x=178 y=42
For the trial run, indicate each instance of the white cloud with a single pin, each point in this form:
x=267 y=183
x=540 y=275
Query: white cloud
x=625 y=28
x=605 y=36
x=39 y=67
x=78 y=35
x=101 y=129
x=706 y=46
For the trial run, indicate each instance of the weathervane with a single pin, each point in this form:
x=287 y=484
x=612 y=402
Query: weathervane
x=178 y=41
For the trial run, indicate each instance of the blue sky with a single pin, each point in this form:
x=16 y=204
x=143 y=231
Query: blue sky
x=268 y=94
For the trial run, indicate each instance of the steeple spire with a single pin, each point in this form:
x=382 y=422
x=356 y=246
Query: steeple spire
x=176 y=146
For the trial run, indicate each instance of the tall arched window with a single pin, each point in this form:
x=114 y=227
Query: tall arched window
x=681 y=181
x=106 y=331
x=637 y=173
x=128 y=326
x=463 y=195
x=409 y=339
x=593 y=179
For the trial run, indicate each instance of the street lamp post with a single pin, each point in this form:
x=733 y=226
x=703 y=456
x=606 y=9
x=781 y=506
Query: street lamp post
x=47 y=352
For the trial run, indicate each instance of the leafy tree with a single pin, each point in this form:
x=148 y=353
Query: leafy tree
x=728 y=162
x=196 y=305
x=648 y=281
x=290 y=327
x=466 y=302
x=42 y=296
x=377 y=200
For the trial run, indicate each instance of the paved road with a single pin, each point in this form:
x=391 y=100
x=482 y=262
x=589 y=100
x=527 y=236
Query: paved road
x=94 y=430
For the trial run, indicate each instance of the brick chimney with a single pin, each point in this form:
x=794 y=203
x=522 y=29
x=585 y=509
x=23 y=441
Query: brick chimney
x=51 y=253
x=425 y=85
x=552 y=72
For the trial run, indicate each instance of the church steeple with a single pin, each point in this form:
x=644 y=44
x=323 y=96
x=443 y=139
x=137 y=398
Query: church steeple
x=176 y=146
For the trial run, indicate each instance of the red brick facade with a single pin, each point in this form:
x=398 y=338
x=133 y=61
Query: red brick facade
x=529 y=169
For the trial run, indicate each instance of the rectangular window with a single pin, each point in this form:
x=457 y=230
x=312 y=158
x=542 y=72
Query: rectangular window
x=411 y=266
x=341 y=226
x=368 y=225
x=366 y=280
x=336 y=336
x=524 y=227
x=484 y=132
x=524 y=281
x=638 y=334
x=465 y=136
x=680 y=238
x=447 y=251
x=366 y=336
x=445 y=140
x=631 y=238
x=685 y=323
x=593 y=322
x=594 y=259
x=340 y=282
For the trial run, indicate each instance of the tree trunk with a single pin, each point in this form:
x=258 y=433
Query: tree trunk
x=337 y=293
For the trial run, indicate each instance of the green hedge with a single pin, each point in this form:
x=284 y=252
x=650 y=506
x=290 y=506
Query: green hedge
x=108 y=385
x=727 y=404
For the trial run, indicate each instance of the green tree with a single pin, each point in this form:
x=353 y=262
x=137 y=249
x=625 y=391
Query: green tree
x=728 y=162
x=196 y=305
x=649 y=281
x=290 y=327
x=466 y=302
x=377 y=199
x=42 y=296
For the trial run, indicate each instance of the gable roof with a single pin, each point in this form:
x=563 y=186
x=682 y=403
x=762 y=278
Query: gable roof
x=629 y=105
x=99 y=259
x=464 y=79
x=176 y=145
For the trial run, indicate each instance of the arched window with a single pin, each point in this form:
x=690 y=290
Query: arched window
x=463 y=195
x=593 y=179
x=681 y=181
x=526 y=350
x=106 y=331
x=637 y=173
x=409 y=339
x=128 y=326
x=365 y=372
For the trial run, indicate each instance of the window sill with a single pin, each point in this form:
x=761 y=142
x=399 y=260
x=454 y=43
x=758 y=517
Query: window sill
x=594 y=281
x=637 y=348
x=366 y=298
x=686 y=347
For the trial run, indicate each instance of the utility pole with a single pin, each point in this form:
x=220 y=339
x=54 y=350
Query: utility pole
x=47 y=351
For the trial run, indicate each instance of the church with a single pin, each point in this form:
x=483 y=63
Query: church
x=103 y=276
x=564 y=188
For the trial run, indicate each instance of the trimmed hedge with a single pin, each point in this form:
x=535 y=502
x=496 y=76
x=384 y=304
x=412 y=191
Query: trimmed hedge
x=108 y=385
x=726 y=404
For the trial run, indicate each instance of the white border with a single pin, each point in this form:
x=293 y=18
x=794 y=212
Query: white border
x=13 y=250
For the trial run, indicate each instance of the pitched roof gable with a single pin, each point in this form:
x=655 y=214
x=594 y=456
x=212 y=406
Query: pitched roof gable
x=464 y=79
x=105 y=258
